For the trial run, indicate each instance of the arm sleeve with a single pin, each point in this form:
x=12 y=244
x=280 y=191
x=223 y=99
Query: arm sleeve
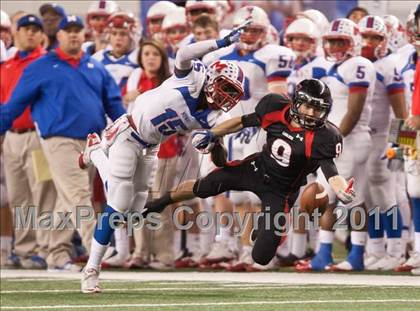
x=25 y=92
x=111 y=97
x=328 y=168
x=249 y=120
x=186 y=54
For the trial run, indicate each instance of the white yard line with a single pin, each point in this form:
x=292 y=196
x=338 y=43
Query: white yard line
x=178 y=289
x=256 y=277
x=154 y=305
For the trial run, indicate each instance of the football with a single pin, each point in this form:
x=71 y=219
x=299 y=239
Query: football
x=314 y=196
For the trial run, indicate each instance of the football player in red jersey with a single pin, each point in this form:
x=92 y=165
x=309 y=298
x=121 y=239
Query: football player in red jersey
x=299 y=141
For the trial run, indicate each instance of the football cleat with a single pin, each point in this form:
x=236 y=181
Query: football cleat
x=115 y=261
x=415 y=271
x=220 y=252
x=256 y=267
x=90 y=281
x=93 y=143
x=135 y=263
x=412 y=263
x=387 y=263
x=344 y=266
x=291 y=259
x=371 y=259
x=244 y=261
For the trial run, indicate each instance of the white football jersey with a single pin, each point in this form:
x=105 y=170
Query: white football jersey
x=119 y=68
x=267 y=64
x=388 y=81
x=352 y=73
x=406 y=61
x=172 y=107
x=317 y=68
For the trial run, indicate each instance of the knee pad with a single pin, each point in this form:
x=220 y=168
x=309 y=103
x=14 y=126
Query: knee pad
x=120 y=195
x=238 y=197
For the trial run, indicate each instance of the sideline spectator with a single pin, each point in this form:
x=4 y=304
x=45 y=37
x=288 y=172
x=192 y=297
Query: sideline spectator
x=71 y=93
x=51 y=17
x=20 y=144
x=356 y=14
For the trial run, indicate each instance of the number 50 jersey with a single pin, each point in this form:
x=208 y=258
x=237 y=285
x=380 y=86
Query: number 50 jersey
x=291 y=153
x=172 y=107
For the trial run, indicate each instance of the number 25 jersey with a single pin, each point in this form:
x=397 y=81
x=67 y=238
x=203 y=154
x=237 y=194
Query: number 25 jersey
x=291 y=153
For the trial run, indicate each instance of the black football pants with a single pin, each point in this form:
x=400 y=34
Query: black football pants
x=246 y=175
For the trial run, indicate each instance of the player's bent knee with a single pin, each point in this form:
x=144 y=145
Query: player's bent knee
x=120 y=195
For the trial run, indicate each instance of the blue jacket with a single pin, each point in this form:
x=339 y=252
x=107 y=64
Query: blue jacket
x=65 y=101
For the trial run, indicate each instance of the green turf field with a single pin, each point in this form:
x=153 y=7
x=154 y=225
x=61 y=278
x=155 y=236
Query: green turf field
x=122 y=295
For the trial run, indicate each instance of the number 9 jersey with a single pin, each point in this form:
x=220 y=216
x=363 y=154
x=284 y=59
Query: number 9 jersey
x=154 y=119
x=291 y=153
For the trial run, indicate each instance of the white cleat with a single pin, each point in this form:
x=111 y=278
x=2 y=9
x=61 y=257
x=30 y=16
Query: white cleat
x=415 y=271
x=93 y=142
x=342 y=266
x=220 y=252
x=371 y=259
x=412 y=263
x=90 y=281
x=387 y=263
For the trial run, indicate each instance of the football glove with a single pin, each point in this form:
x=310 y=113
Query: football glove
x=203 y=140
x=234 y=35
x=347 y=196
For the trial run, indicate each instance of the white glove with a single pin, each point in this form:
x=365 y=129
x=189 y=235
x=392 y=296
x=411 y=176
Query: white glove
x=347 y=196
x=203 y=140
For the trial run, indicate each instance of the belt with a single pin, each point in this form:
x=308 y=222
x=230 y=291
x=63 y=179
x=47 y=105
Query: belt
x=21 y=131
x=135 y=134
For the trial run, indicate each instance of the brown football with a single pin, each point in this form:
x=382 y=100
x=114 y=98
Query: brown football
x=219 y=154
x=314 y=196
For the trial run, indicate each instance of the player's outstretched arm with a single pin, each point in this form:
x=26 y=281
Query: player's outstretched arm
x=343 y=189
x=196 y=50
x=203 y=140
x=182 y=193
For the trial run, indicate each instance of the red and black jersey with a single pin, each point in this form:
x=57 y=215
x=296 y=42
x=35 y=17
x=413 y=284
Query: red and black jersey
x=291 y=153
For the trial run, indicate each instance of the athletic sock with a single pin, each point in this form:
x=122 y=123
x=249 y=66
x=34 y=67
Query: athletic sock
x=299 y=243
x=393 y=226
x=416 y=222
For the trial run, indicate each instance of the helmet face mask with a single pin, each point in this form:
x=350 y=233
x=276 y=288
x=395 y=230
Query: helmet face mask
x=373 y=46
x=223 y=94
x=311 y=104
x=174 y=35
x=374 y=37
x=341 y=41
x=252 y=38
x=224 y=86
x=302 y=45
x=337 y=49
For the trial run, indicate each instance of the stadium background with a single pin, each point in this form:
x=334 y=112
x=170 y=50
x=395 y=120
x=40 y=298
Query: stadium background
x=331 y=9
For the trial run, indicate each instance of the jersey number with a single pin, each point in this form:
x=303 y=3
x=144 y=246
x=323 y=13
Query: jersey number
x=281 y=152
x=360 y=73
x=285 y=62
x=168 y=122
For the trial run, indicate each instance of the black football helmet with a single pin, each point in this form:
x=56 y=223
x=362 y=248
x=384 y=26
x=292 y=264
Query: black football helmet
x=313 y=93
